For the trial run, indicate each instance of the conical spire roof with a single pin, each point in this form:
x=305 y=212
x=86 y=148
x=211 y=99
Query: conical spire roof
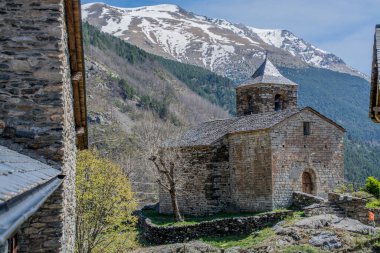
x=267 y=73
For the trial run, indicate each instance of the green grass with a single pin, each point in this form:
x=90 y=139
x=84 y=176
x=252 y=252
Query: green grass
x=243 y=241
x=166 y=220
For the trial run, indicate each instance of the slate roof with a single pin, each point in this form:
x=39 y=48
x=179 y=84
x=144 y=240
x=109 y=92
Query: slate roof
x=207 y=133
x=374 y=107
x=20 y=173
x=267 y=73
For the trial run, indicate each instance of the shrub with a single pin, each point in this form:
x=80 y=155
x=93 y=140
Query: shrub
x=375 y=203
x=104 y=220
x=372 y=186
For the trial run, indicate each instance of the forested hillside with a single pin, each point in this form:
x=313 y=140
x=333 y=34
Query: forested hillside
x=215 y=88
x=149 y=81
x=135 y=101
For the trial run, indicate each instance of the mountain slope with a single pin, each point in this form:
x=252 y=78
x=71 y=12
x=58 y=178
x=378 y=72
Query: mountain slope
x=135 y=100
x=225 y=48
x=217 y=89
x=150 y=87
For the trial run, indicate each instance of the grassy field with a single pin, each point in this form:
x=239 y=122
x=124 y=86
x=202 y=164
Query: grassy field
x=243 y=241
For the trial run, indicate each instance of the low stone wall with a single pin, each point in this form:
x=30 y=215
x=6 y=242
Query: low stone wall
x=301 y=200
x=315 y=209
x=242 y=225
x=354 y=207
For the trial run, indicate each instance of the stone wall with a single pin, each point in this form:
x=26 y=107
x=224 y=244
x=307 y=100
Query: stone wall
x=259 y=98
x=250 y=160
x=220 y=227
x=204 y=186
x=301 y=200
x=321 y=154
x=36 y=114
x=354 y=207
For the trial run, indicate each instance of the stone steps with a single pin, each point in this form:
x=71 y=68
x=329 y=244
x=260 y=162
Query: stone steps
x=334 y=209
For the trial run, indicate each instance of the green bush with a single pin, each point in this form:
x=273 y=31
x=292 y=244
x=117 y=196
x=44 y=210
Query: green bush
x=375 y=203
x=128 y=92
x=372 y=186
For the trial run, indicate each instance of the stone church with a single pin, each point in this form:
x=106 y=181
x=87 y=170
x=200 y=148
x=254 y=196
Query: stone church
x=255 y=161
x=42 y=123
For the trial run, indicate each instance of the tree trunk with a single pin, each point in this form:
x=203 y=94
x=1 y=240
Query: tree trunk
x=176 y=212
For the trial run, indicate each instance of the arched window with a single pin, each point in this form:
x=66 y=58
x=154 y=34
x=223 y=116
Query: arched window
x=278 y=102
x=250 y=104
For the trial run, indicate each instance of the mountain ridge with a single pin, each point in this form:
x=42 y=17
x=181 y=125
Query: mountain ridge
x=232 y=50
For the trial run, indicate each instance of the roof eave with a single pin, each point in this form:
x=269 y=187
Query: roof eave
x=75 y=44
x=16 y=211
x=248 y=85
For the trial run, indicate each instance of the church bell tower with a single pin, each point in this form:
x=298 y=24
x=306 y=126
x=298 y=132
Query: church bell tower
x=266 y=91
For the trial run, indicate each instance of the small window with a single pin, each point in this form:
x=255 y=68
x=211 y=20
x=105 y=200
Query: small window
x=278 y=101
x=306 y=128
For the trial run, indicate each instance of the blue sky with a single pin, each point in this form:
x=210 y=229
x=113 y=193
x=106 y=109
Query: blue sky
x=343 y=27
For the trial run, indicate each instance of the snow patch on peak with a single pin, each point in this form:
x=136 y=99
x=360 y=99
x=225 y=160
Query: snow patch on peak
x=270 y=36
x=164 y=7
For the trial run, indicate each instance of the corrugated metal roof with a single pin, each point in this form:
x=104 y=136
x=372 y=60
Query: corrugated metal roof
x=267 y=73
x=15 y=212
x=20 y=173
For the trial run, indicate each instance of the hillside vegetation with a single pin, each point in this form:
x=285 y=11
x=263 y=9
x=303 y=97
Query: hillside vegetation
x=135 y=102
x=169 y=89
x=217 y=89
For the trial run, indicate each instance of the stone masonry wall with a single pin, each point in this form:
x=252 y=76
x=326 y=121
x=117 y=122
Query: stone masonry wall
x=36 y=111
x=219 y=227
x=354 y=207
x=205 y=187
x=259 y=98
x=301 y=200
x=320 y=154
x=250 y=159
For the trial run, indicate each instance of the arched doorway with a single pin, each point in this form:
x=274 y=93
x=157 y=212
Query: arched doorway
x=307 y=183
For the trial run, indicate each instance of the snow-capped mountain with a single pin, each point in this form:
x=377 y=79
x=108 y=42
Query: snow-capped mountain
x=233 y=50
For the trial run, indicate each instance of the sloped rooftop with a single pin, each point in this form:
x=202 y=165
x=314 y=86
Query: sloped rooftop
x=209 y=132
x=20 y=173
x=267 y=73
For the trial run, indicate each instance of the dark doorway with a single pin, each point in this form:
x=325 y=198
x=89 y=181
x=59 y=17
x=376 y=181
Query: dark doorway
x=307 y=183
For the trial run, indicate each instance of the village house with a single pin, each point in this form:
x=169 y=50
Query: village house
x=255 y=161
x=42 y=123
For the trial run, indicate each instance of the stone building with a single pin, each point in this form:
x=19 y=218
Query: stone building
x=254 y=162
x=42 y=123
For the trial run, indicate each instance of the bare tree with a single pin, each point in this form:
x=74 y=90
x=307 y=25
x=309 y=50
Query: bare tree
x=166 y=161
x=166 y=164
